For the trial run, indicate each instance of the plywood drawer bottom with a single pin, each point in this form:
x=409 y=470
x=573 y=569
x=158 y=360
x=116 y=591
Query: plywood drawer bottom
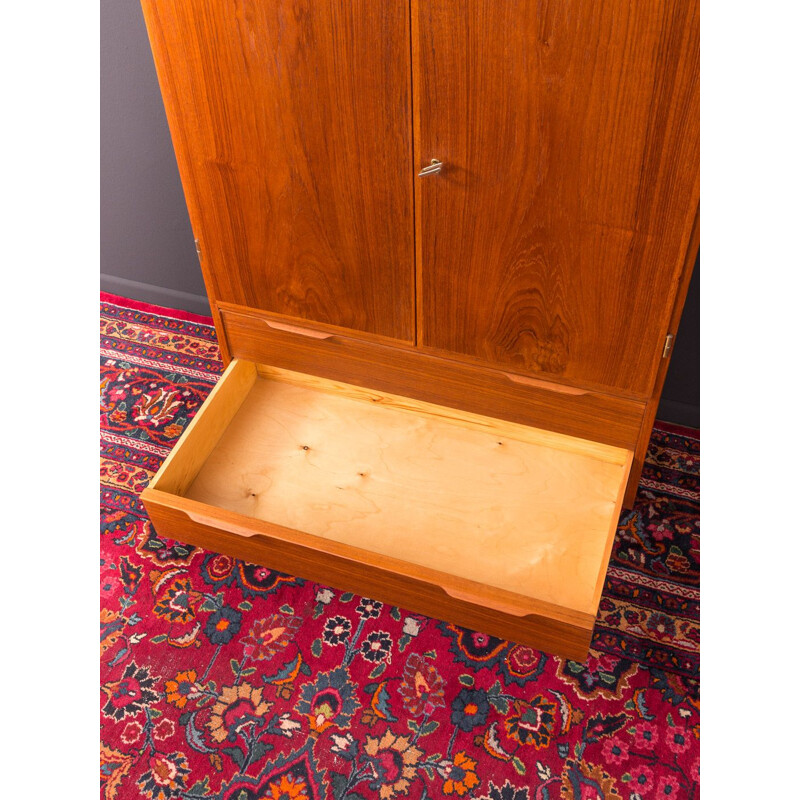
x=492 y=525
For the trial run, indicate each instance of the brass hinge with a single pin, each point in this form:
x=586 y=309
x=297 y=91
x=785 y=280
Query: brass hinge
x=197 y=248
x=668 y=345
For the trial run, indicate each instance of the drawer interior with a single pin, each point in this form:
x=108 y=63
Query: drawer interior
x=520 y=511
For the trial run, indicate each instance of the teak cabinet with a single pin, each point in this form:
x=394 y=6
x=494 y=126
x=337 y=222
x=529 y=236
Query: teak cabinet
x=446 y=245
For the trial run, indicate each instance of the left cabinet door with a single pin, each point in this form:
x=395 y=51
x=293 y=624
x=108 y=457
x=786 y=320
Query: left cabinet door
x=291 y=121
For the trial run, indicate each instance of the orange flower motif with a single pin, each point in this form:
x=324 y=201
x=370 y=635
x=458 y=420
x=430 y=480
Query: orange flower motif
x=462 y=776
x=393 y=760
x=166 y=777
x=236 y=707
x=165 y=772
x=173 y=430
x=289 y=787
x=182 y=688
x=110 y=628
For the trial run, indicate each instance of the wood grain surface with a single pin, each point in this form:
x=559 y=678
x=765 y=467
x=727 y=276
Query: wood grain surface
x=526 y=511
x=554 y=238
x=292 y=128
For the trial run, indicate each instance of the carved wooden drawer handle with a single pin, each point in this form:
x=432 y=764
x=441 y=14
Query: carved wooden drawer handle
x=311 y=334
x=549 y=385
x=495 y=605
x=219 y=524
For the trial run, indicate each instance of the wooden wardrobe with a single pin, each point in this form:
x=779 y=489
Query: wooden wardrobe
x=446 y=245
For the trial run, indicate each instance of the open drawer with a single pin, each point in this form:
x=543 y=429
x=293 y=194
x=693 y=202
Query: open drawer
x=492 y=525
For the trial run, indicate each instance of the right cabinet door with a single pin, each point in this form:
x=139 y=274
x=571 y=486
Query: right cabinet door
x=553 y=239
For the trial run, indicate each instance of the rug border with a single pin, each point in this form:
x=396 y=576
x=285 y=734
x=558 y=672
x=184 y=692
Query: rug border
x=151 y=308
x=680 y=430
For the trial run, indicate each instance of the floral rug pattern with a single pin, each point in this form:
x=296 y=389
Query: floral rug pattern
x=228 y=680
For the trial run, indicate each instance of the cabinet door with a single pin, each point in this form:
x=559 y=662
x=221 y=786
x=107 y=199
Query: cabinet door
x=291 y=122
x=553 y=238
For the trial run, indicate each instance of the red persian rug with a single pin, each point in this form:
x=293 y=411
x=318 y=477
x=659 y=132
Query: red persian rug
x=228 y=680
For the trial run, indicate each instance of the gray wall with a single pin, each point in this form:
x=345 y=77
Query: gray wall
x=146 y=244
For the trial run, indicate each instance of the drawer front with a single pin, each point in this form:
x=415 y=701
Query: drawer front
x=328 y=353
x=496 y=526
x=473 y=606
